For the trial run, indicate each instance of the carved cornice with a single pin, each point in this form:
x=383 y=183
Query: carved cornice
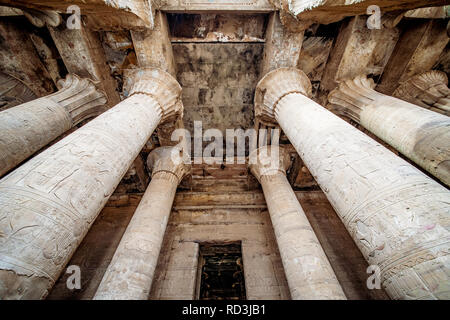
x=428 y=90
x=268 y=161
x=170 y=160
x=351 y=96
x=159 y=85
x=274 y=86
x=80 y=98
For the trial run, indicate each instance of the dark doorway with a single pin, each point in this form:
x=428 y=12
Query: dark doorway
x=221 y=272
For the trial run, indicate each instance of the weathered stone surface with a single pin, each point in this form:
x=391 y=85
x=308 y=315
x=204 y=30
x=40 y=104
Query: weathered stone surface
x=178 y=262
x=191 y=210
x=421 y=135
x=28 y=127
x=102 y=14
x=95 y=252
x=429 y=13
x=417 y=50
x=217 y=27
x=14 y=92
x=358 y=50
x=313 y=56
x=308 y=272
x=282 y=48
x=48 y=204
x=153 y=47
x=19 y=59
x=130 y=273
x=218 y=81
x=84 y=56
x=398 y=217
x=429 y=90
x=49 y=56
x=324 y=11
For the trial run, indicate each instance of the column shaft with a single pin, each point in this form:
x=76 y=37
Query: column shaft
x=398 y=217
x=420 y=134
x=48 y=204
x=130 y=274
x=308 y=272
x=28 y=127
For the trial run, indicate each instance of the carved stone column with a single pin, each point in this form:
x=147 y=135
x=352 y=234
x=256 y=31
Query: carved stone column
x=48 y=204
x=428 y=90
x=130 y=274
x=308 y=272
x=26 y=128
x=421 y=135
x=398 y=217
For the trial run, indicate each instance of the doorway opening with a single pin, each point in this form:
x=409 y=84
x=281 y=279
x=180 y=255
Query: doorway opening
x=221 y=272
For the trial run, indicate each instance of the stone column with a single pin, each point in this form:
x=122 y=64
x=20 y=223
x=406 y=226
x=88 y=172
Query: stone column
x=48 y=204
x=130 y=274
x=398 y=217
x=28 y=127
x=428 y=90
x=420 y=134
x=308 y=272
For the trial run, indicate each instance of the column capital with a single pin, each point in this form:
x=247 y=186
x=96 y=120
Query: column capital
x=159 y=85
x=80 y=97
x=169 y=159
x=351 y=96
x=428 y=89
x=276 y=85
x=268 y=161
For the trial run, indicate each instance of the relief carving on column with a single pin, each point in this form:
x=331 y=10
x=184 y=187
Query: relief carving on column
x=274 y=86
x=419 y=134
x=428 y=90
x=49 y=203
x=159 y=85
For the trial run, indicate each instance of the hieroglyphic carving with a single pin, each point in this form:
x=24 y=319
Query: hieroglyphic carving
x=48 y=204
x=394 y=212
x=420 y=134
